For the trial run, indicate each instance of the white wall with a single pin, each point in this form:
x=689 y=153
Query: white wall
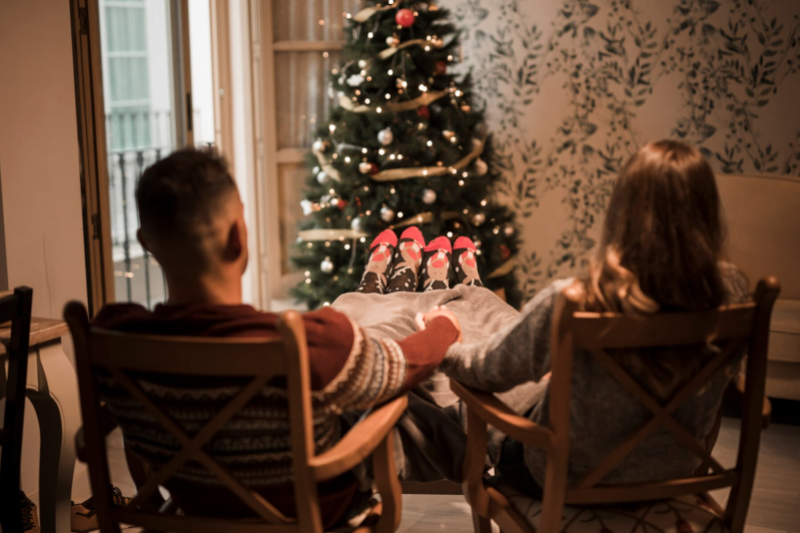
x=39 y=164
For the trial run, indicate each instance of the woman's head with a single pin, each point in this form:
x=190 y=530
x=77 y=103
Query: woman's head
x=663 y=235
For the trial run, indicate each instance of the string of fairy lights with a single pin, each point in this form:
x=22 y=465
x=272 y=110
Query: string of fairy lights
x=389 y=159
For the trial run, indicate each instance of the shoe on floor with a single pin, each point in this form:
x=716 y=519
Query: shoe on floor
x=84 y=515
x=30 y=518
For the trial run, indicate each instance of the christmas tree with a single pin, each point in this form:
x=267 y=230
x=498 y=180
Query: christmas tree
x=403 y=146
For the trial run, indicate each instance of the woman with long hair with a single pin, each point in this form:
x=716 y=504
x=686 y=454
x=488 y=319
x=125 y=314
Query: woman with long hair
x=662 y=250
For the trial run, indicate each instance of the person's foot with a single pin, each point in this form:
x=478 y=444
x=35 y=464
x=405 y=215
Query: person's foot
x=465 y=262
x=435 y=273
x=407 y=258
x=84 y=515
x=30 y=518
x=379 y=263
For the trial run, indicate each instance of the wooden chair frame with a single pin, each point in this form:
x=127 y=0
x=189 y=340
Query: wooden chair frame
x=119 y=354
x=16 y=308
x=732 y=327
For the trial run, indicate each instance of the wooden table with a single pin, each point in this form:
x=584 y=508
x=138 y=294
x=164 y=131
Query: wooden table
x=53 y=391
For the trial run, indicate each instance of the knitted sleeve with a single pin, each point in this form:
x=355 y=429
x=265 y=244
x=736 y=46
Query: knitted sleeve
x=378 y=369
x=516 y=354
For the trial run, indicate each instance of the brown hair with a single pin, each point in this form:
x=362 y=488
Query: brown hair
x=663 y=236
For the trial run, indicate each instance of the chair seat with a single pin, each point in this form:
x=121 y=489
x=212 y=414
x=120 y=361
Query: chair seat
x=685 y=514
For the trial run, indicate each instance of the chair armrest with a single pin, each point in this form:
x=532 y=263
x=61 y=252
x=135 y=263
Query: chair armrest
x=358 y=443
x=735 y=392
x=491 y=410
x=108 y=424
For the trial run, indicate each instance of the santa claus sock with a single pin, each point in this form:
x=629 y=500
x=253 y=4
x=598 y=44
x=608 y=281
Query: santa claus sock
x=465 y=262
x=435 y=273
x=407 y=259
x=379 y=263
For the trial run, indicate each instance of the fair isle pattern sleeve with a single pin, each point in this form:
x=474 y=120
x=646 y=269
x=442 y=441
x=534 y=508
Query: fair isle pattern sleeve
x=374 y=372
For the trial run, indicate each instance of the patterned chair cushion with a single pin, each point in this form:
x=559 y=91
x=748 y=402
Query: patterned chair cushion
x=686 y=514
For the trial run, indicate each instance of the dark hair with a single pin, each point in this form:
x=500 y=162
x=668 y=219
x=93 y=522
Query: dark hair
x=177 y=195
x=181 y=188
x=663 y=236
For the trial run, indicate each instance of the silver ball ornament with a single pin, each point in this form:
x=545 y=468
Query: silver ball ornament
x=365 y=167
x=387 y=214
x=478 y=219
x=392 y=41
x=307 y=206
x=322 y=177
x=357 y=224
x=326 y=265
x=481 y=168
x=385 y=136
x=362 y=63
x=319 y=145
x=428 y=196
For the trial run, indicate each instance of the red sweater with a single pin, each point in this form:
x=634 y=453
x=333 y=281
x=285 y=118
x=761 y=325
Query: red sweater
x=350 y=370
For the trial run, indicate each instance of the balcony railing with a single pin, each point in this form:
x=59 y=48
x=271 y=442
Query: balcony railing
x=137 y=139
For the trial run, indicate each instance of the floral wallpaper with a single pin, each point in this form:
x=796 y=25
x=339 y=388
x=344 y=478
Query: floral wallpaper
x=573 y=87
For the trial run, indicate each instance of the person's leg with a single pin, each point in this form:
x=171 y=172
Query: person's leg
x=429 y=443
x=407 y=258
x=379 y=263
x=436 y=269
x=465 y=262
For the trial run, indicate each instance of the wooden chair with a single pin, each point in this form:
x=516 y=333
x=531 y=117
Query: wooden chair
x=123 y=355
x=16 y=308
x=729 y=328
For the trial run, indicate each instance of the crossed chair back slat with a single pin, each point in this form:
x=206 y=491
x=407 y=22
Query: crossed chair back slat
x=16 y=308
x=724 y=332
x=257 y=361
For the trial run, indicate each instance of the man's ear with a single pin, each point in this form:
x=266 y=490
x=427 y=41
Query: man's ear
x=234 y=247
x=142 y=240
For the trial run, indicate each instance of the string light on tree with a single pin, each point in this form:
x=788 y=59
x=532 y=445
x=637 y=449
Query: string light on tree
x=428 y=196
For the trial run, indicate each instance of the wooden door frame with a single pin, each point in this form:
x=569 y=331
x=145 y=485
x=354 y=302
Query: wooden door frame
x=90 y=108
x=271 y=157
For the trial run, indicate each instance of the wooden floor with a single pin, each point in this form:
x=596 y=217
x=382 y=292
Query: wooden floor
x=775 y=506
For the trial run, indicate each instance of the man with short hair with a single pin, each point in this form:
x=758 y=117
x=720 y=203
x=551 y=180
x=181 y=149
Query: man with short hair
x=192 y=221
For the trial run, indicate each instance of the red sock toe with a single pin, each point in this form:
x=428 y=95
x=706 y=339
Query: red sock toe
x=464 y=242
x=387 y=236
x=414 y=233
x=439 y=243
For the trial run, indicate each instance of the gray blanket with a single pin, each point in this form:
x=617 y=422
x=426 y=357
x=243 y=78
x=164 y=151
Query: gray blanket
x=479 y=310
x=429 y=441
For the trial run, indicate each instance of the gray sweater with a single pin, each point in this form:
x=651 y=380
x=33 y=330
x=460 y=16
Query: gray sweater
x=603 y=414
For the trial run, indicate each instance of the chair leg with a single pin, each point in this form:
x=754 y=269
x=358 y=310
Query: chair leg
x=480 y=523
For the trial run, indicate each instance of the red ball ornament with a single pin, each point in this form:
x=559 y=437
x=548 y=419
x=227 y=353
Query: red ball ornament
x=374 y=169
x=405 y=18
x=505 y=251
x=441 y=68
x=342 y=204
x=424 y=112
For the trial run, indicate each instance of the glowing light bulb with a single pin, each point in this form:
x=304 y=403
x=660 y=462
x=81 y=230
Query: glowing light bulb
x=381 y=151
x=379 y=109
x=346 y=246
x=332 y=128
x=390 y=72
x=429 y=143
x=363 y=150
x=324 y=54
x=321 y=22
x=399 y=156
x=347 y=159
x=366 y=101
x=483 y=203
x=388 y=96
x=370 y=35
x=400 y=214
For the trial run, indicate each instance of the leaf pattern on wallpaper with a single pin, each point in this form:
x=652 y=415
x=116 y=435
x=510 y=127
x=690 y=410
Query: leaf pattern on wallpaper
x=721 y=75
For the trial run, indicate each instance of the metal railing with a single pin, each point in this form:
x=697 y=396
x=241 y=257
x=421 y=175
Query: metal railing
x=136 y=140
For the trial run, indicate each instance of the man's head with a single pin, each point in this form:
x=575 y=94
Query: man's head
x=191 y=217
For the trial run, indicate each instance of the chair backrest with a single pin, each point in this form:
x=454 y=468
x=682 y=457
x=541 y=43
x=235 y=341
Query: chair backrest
x=15 y=307
x=125 y=358
x=727 y=329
